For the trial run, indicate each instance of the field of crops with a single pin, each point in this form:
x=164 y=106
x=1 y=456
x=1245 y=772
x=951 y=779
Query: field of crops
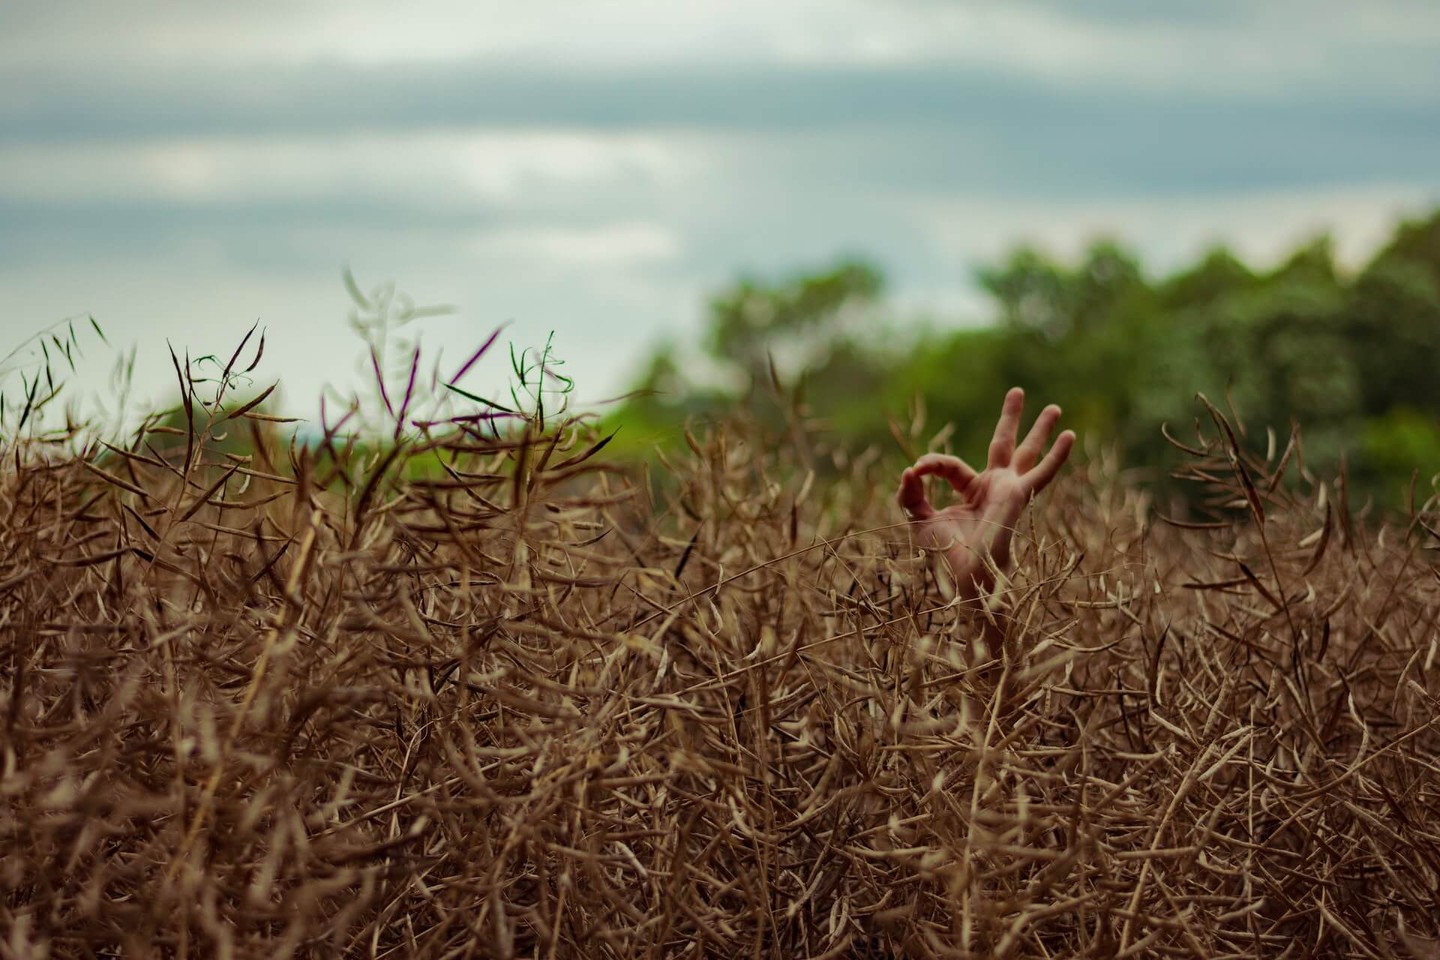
x=482 y=693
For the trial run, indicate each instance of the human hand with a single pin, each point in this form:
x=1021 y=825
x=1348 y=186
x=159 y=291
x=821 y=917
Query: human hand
x=981 y=525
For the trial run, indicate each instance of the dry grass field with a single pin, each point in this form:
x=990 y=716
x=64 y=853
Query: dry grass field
x=484 y=694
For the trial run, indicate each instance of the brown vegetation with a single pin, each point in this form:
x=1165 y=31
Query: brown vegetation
x=309 y=703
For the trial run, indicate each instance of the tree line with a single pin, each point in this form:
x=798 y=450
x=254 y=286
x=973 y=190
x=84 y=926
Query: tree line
x=1350 y=355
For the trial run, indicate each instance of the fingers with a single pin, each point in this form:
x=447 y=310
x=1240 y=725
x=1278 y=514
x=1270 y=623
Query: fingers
x=911 y=495
x=1025 y=459
x=1039 y=478
x=955 y=471
x=1002 y=448
x=1034 y=443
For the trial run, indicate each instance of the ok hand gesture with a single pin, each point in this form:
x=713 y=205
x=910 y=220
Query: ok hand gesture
x=980 y=525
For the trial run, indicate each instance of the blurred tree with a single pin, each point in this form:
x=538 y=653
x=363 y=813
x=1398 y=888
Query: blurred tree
x=1351 y=358
x=1036 y=293
x=1072 y=329
x=757 y=323
x=1400 y=445
x=1393 y=322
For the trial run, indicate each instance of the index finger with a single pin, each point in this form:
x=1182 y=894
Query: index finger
x=956 y=472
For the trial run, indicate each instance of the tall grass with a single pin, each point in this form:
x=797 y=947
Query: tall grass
x=306 y=701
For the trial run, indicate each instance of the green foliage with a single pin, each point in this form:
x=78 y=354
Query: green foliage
x=755 y=319
x=809 y=328
x=1394 y=447
x=1349 y=357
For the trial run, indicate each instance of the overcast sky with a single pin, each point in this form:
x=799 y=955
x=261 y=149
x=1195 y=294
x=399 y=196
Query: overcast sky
x=595 y=167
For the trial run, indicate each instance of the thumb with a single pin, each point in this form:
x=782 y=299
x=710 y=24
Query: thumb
x=911 y=496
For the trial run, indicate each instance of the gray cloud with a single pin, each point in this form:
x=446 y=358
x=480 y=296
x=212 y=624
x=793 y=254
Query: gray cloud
x=843 y=129
x=334 y=100
x=180 y=173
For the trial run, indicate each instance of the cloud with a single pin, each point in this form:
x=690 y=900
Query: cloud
x=608 y=246
x=1184 y=45
x=474 y=167
x=597 y=167
x=1260 y=225
x=330 y=133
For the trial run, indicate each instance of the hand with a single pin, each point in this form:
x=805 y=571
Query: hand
x=980 y=526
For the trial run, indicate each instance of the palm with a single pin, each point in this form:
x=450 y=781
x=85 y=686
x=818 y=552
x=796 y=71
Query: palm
x=990 y=502
x=978 y=527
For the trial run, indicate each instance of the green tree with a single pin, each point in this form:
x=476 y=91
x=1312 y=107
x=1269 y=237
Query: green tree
x=1350 y=358
x=758 y=323
x=1393 y=322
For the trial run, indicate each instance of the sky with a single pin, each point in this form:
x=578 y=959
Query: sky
x=594 y=169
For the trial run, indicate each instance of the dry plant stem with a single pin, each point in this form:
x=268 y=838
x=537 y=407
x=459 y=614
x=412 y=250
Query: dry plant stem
x=487 y=702
x=279 y=634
